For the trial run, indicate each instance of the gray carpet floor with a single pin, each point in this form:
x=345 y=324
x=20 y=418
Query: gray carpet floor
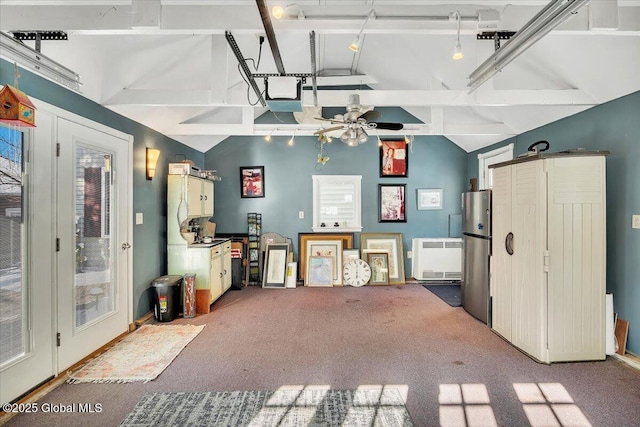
x=453 y=369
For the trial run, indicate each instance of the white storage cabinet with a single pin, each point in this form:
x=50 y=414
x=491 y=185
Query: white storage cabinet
x=548 y=295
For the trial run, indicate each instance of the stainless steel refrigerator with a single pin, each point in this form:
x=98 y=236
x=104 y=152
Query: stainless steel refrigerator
x=476 y=249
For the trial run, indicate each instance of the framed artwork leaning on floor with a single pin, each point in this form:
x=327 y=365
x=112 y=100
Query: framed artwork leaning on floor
x=390 y=243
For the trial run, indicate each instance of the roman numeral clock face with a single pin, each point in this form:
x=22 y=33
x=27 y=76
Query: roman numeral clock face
x=356 y=273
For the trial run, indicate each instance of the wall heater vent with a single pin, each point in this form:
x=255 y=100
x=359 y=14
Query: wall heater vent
x=436 y=259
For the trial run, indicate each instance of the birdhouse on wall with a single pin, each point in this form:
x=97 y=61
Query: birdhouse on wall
x=16 y=108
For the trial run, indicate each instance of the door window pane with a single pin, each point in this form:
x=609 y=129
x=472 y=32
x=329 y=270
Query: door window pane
x=94 y=290
x=13 y=312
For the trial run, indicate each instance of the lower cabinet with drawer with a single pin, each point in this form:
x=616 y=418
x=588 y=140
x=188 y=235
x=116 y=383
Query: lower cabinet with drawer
x=211 y=265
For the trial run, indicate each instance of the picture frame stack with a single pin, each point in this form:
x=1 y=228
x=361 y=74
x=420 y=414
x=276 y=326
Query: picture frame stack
x=391 y=245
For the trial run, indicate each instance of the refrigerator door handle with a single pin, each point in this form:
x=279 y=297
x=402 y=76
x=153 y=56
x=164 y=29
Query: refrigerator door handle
x=508 y=243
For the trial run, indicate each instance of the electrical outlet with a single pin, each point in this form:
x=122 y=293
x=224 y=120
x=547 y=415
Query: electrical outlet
x=139 y=218
x=301 y=214
x=409 y=254
x=635 y=221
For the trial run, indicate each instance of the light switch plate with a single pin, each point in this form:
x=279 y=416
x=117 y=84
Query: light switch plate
x=409 y=254
x=301 y=214
x=635 y=221
x=139 y=218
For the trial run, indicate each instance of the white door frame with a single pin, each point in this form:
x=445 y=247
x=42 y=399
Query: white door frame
x=498 y=155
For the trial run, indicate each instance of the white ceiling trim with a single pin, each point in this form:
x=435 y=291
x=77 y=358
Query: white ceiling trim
x=281 y=129
x=242 y=18
x=378 y=98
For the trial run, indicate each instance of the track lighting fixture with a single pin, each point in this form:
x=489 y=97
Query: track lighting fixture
x=355 y=44
x=457 y=52
x=267 y=137
x=290 y=142
x=15 y=51
x=280 y=12
x=552 y=15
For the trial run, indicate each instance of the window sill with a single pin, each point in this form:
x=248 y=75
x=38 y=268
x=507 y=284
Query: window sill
x=336 y=229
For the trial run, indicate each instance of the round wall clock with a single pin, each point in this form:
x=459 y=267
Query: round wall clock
x=356 y=272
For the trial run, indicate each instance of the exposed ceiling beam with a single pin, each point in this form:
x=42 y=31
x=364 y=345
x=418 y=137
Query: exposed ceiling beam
x=378 y=98
x=190 y=19
x=308 y=129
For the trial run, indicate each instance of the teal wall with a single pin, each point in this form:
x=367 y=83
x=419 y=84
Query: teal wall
x=434 y=162
x=149 y=197
x=614 y=126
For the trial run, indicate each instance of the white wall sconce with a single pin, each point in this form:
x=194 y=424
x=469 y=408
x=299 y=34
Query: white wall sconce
x=152 y=160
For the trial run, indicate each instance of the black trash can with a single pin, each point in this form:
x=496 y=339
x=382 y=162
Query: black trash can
x=166 y=297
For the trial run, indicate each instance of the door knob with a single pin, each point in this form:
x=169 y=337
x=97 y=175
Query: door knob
x=125 y=246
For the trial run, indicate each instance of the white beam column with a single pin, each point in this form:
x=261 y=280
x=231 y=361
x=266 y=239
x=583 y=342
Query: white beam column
x=219 y=67
x=437 y=120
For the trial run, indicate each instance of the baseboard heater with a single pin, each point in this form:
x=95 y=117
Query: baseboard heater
x=436 y=259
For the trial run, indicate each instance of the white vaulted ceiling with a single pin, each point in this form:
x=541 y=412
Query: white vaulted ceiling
x=167 y=64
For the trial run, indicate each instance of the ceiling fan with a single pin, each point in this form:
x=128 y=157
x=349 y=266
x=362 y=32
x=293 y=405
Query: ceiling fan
x=356 y=121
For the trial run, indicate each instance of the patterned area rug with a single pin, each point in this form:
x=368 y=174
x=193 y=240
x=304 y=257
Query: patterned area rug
x=447 y=293
x=284 y=407
x=140 y=356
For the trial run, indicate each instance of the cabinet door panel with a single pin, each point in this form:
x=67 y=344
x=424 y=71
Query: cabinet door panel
x=529 y=286
x=501 y=274
x=577 y=268
x=207 y=198
x=194 y=196
x=216 y=278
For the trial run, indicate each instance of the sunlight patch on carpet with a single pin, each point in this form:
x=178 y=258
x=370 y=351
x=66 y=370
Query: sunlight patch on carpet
x=285 y=407
x=140 y=356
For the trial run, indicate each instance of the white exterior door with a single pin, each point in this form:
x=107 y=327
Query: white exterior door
x=27 y=344
x=92 y=257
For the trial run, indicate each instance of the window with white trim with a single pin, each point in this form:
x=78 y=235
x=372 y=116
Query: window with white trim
x=499 y=155
x=337 y=203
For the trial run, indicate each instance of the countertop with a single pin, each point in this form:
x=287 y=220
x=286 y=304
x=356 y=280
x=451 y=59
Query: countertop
x=215 y=242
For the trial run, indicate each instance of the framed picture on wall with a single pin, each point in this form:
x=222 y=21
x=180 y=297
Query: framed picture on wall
x=391 y=203
x=394 y=158
x=429 y=198
x=251 y=181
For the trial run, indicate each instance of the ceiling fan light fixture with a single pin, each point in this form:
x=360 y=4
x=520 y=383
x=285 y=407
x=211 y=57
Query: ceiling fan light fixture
x=345 y=136
x=361 y=136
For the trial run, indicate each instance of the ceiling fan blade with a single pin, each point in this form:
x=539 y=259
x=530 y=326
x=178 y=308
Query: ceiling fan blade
x=321 y=131
x=387 y=126
x=330 y=120
x=370 y=115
